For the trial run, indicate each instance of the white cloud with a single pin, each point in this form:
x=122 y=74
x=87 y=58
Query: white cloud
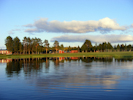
x=132 y=25
x=28 y=25
x=103 y=25
x=94 y=38
x=12 y=31
x=31 y=30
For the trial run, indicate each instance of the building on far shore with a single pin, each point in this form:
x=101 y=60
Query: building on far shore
x=5 y=52
x=74 y=51
x=61 y=51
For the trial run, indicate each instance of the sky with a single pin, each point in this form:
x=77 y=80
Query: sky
x=70 y=22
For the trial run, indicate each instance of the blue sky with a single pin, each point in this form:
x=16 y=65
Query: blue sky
x=68 y=21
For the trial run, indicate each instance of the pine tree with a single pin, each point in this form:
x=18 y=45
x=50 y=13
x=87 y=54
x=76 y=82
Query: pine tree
x=118 y=47
x=46 y=45
x=56 y=45
x=16 y=44
x=86 y=46
x=9 y=43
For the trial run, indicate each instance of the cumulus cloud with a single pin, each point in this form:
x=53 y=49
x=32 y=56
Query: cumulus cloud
x=94 y=38
x=102 y=25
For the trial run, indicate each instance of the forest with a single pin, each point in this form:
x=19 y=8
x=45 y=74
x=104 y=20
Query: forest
x=38 y=46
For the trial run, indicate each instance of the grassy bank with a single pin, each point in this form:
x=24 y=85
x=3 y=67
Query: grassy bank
x=89 y=54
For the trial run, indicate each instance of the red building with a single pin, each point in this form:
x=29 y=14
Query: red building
x=61 y=51
x=74 y=51
x=5 y=52
x=74 y=58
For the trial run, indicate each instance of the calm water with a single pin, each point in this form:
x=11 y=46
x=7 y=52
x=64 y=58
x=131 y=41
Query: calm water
x=66 y=79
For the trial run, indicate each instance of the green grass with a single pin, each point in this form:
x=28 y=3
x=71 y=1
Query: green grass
x=89 y=54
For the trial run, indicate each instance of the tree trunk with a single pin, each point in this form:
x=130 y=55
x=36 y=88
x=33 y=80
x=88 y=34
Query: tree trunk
x=46 y=51
x=36 y=50
x=56 y=50
x=32 y=51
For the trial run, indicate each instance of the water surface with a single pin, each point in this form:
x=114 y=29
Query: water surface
x=66 y=78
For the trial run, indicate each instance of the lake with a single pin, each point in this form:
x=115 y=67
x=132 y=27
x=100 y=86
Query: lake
x=70 y=78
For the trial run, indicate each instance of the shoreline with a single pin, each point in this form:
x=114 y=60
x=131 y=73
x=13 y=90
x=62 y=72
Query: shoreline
x=88 y=54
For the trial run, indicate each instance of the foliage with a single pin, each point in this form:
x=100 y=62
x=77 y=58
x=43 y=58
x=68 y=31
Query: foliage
x=9 y=43
x=36 y=46
x=16 y=44
x=56 y=45
x=62 y=47
x=46 y=45
x=87 y=46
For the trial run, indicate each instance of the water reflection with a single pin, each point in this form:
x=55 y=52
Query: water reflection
x=36 y=64
x=70 y=71
x=65 y=76
x=13 y=67
x=5 y=60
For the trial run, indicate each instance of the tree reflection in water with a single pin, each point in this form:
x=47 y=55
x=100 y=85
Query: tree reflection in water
x=84 y=77
x=70 y=71
x=14 y=67
x=30 y=65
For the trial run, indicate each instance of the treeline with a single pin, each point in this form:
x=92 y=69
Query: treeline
x=29 y=45
x=105 y=47
x=37 y=46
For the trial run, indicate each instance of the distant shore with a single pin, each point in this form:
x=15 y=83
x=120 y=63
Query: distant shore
x=88 y=54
